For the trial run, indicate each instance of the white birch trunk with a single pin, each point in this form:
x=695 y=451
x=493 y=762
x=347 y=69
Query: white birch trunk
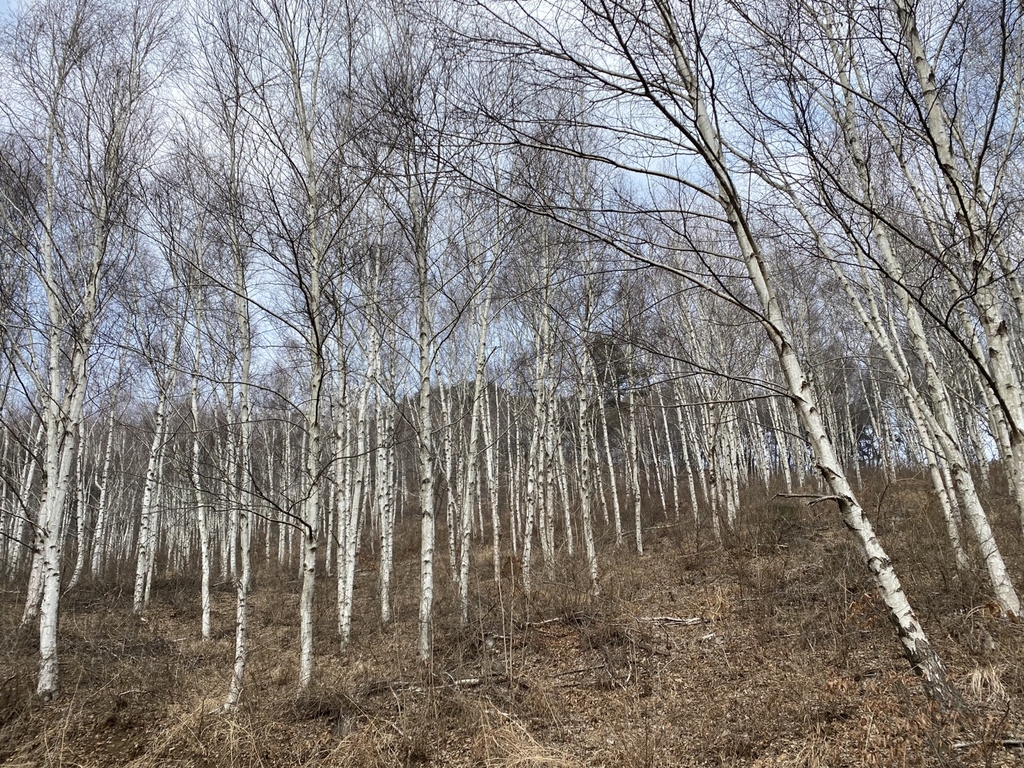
x=472 y=460
x=386 y=507
x=426 y=495
x=25 y=485
x=424 y=435
x=1004 y=380
x=200 y=503
x=917 y=648
x=670 y=449
x=349 y=511
x=655 y=461
x=851 y=432
x=595 y=454
x=283 y=529
x=634 y=468
x=147 y=528
x=491 y=462
x=687 y=457
x=244 y=506
x=81 y=508
x=448 y=465
x=99 y=536
x=612 y=482
x=62 y=413
x=512 y=451
x=310 y=522
x=781 y=443
x=343 y=459
x=944 y=428
x=586 y=483
x=533 y=489
x=919 y=410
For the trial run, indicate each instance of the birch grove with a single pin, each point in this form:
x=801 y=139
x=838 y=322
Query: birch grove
x=304 y=288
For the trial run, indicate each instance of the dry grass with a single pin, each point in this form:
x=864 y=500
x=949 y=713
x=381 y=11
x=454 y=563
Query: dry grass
x=790 y=664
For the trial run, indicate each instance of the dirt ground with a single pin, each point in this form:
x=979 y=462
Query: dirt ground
x=768 y=651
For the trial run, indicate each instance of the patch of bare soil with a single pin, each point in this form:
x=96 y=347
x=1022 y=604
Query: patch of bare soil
x=769 y=651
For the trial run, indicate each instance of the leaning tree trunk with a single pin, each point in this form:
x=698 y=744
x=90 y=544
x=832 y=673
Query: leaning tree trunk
x=977 y=235
x=945 y=423
x=916 y=646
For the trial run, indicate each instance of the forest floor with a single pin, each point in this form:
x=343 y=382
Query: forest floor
x=770 y=651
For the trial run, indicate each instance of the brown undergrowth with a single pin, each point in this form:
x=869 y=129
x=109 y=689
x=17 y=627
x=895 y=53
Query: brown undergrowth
x=769 y=650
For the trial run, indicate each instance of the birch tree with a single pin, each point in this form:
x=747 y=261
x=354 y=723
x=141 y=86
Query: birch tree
x=159 y=338
x=413 y=82
x=882 y=260
x=84 y=76
x=658 y=59
x=300 y=115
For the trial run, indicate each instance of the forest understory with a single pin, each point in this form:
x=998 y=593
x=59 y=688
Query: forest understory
x=767 y=650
